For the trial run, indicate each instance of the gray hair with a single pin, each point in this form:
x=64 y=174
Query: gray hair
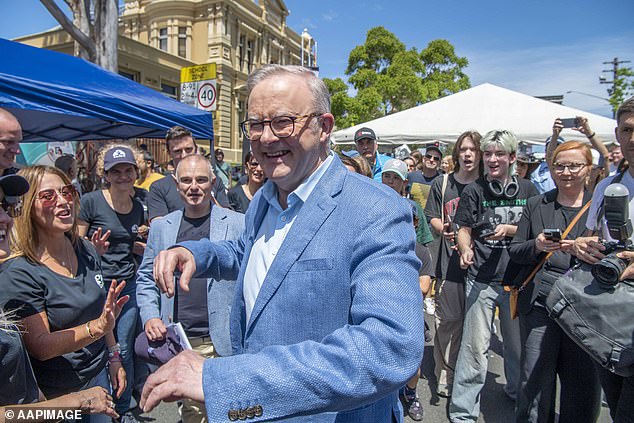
x=321 y=95
x=197 y=158
x=505 y=140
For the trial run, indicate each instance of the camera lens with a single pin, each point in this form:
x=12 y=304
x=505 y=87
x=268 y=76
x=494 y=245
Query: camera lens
x=608 y=271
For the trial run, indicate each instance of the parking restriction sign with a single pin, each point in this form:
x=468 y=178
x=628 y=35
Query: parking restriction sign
x=198 y=86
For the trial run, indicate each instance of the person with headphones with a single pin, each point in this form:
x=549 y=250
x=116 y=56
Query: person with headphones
x=487 y=215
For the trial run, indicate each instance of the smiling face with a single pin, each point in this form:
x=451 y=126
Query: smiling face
x=254 y=171
x=122 y=176
x=497 y=162
x=10 y=137
x=562 y=175
x=53 y=212
x=432 y=160
x=288 y=161
x=195 y=183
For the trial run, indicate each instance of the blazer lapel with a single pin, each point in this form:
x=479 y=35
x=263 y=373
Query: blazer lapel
x=311 y=217
x=218 y=224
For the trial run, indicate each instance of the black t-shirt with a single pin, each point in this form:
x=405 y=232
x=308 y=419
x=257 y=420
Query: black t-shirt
x=423 y=254
x=164 y=197
x=418 y=177
x=479 y=210
x=190 y=308
x=238 y=200
x=30 y=288
x=448 y=262
x=17 y=381
x=118 y=261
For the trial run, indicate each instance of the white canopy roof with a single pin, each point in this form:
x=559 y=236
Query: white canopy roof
x=482 y=108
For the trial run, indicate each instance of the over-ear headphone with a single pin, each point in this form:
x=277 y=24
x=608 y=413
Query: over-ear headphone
x=508 y=191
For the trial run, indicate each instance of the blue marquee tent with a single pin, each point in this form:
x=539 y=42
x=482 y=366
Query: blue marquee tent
x=57 y=97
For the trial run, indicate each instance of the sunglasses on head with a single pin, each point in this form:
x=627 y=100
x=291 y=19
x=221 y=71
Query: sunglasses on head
x=49 y=197
x=432 y=157
x=12 y=206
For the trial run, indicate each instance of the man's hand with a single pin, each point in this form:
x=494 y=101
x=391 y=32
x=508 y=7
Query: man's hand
x=169 y=260
x=181 y=377
x=448 y=232
x=466 y=258
x=628 y=256
x=155 y=329
x=546 y=245
x=588 y=249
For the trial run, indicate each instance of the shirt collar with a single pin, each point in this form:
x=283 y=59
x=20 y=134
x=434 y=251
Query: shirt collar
x=303 y=191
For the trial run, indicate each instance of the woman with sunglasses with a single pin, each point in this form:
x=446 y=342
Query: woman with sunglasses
x=240 y=196
x=114 y=213
x=547 y=352
x=53 y=286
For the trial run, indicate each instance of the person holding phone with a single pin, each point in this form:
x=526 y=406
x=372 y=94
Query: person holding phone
x=547 y=352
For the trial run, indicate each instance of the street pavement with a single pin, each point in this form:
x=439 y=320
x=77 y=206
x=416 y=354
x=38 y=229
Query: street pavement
x=495 y=406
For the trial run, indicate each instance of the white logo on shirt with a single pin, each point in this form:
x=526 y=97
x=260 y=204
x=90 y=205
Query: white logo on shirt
x=99 y=280
x=118 y=154
x=135 y=229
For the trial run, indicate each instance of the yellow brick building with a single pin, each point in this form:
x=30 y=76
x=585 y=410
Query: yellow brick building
x=159 y=37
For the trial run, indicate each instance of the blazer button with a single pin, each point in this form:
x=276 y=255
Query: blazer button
x=251 y=412
x=233 y=415
x=258 y=410
x=242 y=414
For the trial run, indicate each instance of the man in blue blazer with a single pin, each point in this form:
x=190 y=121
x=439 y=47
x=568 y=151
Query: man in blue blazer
x=204 y=311
x=326 y=324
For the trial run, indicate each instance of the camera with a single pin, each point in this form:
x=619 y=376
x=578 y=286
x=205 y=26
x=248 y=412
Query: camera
x=608 y=271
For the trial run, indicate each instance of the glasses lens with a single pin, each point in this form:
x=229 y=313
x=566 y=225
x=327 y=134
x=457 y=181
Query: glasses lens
x=47 y=196
x=282 y=126
x=252 y=129
x=432 y=157
x=68 y=193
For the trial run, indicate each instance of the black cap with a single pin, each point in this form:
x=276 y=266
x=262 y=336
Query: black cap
x=364 y=133
x=433 y=147
x=118 y=155
x=13 y=185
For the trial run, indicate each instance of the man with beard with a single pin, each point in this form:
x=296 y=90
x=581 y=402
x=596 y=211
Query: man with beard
x=440 y=209
x=365 y=140
x=487 y=215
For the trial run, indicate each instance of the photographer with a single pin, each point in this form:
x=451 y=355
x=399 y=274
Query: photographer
x=619 y=390
x=547 y=352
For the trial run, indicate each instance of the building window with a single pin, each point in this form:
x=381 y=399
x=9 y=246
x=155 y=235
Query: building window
x=169 y=90
x=133 y=76
x=249 y=55
x=182 y=41
x=163 y=39
x=241 y=52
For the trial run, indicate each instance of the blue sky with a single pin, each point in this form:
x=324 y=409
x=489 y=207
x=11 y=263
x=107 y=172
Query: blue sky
x=537 y=47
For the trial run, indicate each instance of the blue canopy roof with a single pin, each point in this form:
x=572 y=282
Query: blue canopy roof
x=57 y=97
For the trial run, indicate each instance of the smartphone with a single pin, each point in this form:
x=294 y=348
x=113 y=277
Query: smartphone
x=487 y=232
x=553 y=234
x=569 y=122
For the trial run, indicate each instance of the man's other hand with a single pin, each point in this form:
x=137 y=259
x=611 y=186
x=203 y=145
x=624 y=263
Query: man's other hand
x=166 y=262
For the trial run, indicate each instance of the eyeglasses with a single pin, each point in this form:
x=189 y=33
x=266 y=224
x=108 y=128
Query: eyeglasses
x=572 y=167
x=253 y=165
x=281 y=126
x=49 y=197
x=432 y=157
x=12 y=206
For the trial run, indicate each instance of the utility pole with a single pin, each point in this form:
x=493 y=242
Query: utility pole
x=615 y=68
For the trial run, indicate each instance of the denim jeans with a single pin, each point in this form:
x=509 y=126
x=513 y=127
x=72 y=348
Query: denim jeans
x=471 y=366
x=100 y=380
x=125 y=331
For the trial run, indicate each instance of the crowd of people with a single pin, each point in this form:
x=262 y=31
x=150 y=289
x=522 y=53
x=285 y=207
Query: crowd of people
x=301 y=290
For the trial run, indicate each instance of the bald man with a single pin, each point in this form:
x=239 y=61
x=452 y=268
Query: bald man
x=10 y=137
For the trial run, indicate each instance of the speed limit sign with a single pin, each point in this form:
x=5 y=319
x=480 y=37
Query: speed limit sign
x=207 y=95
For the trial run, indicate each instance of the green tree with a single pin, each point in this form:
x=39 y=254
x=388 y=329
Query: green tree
x=389 y=78
x=623 y=87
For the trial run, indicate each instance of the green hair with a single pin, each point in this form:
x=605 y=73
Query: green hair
x=502 y=139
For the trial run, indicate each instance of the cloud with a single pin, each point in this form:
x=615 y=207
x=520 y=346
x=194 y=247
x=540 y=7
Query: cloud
x=308 y=23
x=552 y=70
x=330 y=16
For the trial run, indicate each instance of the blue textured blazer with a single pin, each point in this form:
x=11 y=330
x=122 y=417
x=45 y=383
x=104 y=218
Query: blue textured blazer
x=224 y=224
x=337 y=327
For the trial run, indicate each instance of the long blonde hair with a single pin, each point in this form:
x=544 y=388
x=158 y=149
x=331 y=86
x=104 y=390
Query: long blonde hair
x=25 y=237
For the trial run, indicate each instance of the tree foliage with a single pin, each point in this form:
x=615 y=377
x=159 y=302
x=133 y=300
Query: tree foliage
x=94 y=29
x=623 y=87
x=388 y=77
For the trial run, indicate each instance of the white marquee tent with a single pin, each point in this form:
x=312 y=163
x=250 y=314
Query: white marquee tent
x=483 y=108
